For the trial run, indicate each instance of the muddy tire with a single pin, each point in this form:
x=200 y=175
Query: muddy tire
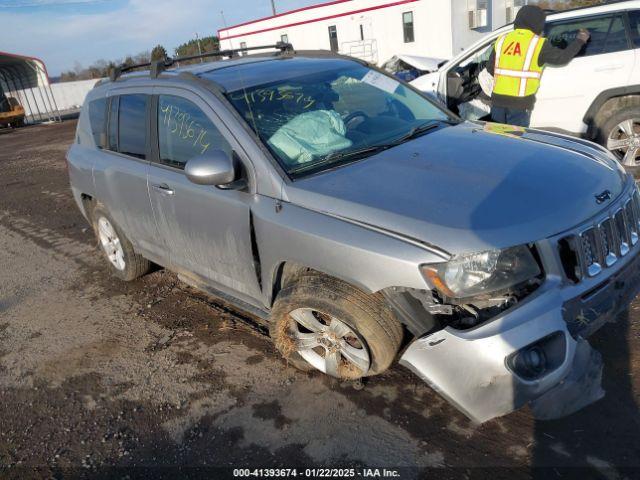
x=321 y=323
x=618 y=129
x=122 y=259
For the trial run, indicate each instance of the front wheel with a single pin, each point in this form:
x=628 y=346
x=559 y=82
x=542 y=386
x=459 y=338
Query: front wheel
x=320 y=323
x=619 y=130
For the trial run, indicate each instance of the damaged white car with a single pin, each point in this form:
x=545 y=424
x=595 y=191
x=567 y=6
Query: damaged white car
x=410 y=67
x=364 y=224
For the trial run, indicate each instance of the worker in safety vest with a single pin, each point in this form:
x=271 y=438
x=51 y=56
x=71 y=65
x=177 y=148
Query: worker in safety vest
x=517 y=62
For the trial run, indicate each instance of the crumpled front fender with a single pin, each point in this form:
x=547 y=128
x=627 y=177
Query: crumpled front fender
x=469 y=367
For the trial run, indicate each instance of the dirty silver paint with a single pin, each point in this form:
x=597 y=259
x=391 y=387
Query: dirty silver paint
x=373 y=223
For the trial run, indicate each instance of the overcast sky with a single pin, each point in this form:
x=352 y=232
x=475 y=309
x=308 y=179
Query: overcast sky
x=61 y=32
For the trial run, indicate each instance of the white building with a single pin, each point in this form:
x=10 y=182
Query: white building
x=375 y=30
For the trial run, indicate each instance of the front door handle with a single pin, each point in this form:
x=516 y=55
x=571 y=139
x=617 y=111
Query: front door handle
x=164 y=189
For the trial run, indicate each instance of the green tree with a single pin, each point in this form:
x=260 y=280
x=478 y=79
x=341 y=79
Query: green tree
x=207 y=44
x=158 y=53
x=564 y=4
x=101 y=68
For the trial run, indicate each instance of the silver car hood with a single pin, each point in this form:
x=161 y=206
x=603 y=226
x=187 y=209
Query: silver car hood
x=469 y=187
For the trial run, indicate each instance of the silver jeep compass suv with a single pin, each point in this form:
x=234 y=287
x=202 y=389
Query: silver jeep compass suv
x=364 y=223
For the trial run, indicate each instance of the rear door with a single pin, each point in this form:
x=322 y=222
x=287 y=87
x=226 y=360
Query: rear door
x=206 y=229
x=607 y=61
x=634 y=31
x=120 y=171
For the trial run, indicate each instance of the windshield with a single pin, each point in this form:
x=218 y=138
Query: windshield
x=317 y=117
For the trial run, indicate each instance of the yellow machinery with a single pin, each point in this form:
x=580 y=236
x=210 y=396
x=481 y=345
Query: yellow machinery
x=12 y=115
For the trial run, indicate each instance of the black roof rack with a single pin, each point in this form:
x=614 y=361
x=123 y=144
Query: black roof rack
x=159 y=66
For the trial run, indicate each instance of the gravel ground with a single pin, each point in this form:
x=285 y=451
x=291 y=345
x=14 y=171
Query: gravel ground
x=103 y=378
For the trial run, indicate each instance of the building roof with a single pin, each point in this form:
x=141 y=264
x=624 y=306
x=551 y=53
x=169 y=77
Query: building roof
x=226 y=34
x=23 y=70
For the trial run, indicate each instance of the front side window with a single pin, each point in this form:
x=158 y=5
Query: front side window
x=333 y=38
x=284 y=38
x=608 y=34
x=338 y=110
x=98 y=121
x=132 y=125
x=407 y=27
x=184 y=132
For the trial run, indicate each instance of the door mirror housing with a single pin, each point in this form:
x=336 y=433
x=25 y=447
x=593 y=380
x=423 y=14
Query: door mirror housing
x=212 y=168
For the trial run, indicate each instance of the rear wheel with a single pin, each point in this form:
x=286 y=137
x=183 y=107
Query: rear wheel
x=122 y=259
x=320 y=323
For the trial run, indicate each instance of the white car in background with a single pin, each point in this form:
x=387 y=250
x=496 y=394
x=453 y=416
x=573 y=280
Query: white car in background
x=409 y=67
x=596 y=96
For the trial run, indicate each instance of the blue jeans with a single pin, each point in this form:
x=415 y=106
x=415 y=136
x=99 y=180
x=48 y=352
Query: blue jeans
x=508 y=116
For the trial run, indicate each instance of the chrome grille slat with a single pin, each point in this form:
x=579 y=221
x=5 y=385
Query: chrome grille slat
x=632 y=221
x=609 y=242
x=600 y=246
x=623 y=231
x=591 y=252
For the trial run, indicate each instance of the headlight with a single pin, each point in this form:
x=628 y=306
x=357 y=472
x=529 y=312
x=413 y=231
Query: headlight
x=481 y=273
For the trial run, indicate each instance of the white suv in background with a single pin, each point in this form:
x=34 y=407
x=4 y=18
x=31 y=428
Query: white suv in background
x=595 y=96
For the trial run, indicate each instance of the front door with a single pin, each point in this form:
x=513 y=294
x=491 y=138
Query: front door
x=606 y=62
x=206 y=230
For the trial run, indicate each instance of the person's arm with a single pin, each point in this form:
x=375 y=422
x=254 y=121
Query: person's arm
x=550 y=55
x=492 y=62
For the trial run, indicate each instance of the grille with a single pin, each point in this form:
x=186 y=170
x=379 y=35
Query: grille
x=599 y=246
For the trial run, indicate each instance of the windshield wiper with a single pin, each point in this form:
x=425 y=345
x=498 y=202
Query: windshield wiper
x=417 y=131
x=336 y=157
x=366 y=151
x=414 y=132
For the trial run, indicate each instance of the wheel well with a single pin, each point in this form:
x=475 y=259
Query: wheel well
x=284 y=273
x=88 y=203
x=606 y=103
x=288 y=271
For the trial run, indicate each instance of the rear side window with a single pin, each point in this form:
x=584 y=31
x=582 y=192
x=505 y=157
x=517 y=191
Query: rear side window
x=132 y=125
x=608 y=34
x=634 y=23
x=98 y=121
x=184 y=132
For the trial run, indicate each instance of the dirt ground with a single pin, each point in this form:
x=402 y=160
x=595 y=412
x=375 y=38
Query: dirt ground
x=100 y=377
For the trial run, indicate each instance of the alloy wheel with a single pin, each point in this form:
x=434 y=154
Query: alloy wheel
x=624 y=142
x=111 y=243
x=329 y=344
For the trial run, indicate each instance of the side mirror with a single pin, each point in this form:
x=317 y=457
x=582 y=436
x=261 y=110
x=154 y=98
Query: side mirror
x=212 y=168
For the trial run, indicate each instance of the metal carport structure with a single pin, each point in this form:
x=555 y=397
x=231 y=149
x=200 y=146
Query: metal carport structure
x=26 y=79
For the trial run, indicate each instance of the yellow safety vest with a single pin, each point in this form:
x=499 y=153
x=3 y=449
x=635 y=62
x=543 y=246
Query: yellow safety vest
x=517 y=72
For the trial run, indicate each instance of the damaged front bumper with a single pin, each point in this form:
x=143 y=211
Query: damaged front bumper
x=475 y=370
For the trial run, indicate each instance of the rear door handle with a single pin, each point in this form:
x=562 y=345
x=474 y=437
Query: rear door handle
x=164 y=189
